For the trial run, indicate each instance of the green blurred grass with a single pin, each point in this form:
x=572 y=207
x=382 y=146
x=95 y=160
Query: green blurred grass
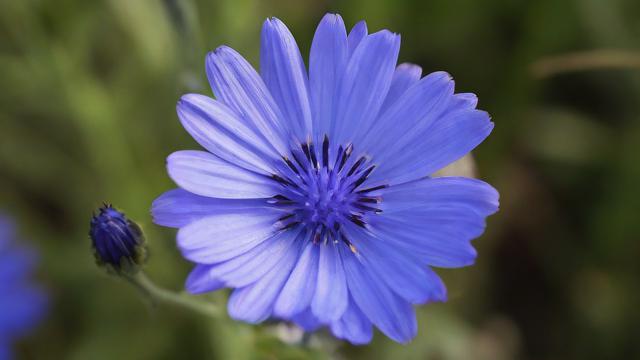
x=87 y=115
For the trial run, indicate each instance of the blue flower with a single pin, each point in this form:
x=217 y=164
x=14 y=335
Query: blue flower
x=313 y=199
x=117 y=241
x=22 y=304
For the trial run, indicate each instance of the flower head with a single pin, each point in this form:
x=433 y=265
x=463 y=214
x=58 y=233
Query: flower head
x=313 y=198
x=22 y=304
x=117 y=241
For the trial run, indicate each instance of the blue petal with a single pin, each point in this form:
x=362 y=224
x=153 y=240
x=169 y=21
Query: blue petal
x=405 y=76
x=447 y=140
x=297 y=293
x=200 y=280
x=204 y=174
x=5 y=352
x=436 y=219
x=15 y=266
x=331 y=295
x=353 y=326
x=357 y=33
x=284 y=73
x=400 y=269
x=306 y=320
x=21 y=307
x=327 y=62
x=472 y=195
x=393 y=315
x=365 y=84
x=464 y=101
x=177 y=208
x=407 y=122
x=218 y=129
x=254 y=303
x=236 y=83
x=221 y=237
x=249 y=267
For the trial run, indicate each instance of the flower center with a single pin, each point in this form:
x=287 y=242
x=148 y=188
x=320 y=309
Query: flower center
x=321 y=189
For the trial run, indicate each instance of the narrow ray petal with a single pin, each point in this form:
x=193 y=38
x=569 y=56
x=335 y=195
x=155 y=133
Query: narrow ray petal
x=177 y=208
x=218 y=238
x=353 y=326
x=405 y=76
x=447 y=140
x=327 y=62
x=436 y=219
x=331 y=296
x=365 y=84
x=200 y=280
x=357 y=33
x=236 y=83
x=400 y=269
x=285 y=75
x=254 y=303
x=297 y=293
x=249 y=267
x=204 y=174
x=218 y=129
x=408 y=121
x=391 y=314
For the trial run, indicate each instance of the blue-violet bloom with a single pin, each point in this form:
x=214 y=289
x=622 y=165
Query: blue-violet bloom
x=313 y=198
x=22 y=303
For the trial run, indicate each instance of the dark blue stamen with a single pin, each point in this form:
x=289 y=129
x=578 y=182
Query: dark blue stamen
x=322 y=198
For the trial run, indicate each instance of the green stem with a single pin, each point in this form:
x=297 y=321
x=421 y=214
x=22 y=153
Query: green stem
x=587 y=60
x=159 y=295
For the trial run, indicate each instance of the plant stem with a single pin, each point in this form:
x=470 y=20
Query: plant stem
x=587 y=60
x=159 y=295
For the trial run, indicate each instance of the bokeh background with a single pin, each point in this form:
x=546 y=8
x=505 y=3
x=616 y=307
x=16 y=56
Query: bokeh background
x=87 y=97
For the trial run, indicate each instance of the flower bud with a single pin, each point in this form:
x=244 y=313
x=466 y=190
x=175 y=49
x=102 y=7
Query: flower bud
x=118 y=243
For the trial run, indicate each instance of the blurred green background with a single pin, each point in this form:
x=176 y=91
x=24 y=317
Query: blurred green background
x=87 y=114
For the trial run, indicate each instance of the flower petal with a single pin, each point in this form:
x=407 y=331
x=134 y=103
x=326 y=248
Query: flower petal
x=407 y=121
x=306 y=320
x=446 y=141
x=16 y=265
x=204 y=174
x=221 y=237
x=249 y=267
x=331 y=296
x=365 y=84
x=327 y=62
x=357 y=33
x=285 y=75
x=436 y=219
x=405 y=76
x=353 y=326
x=254 y=303
x=219 y=130
x=200 y=280
x=464 y=101
x=397 y=267
x=391 y=314
x=473 y=195
x=236 y=83
x=297 y=293
x=22 y=307
x=177 y=208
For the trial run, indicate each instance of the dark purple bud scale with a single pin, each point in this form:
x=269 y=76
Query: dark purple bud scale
x=117 y=242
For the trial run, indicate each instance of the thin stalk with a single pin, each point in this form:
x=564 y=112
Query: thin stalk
x=587 y=60
x=160 y=295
